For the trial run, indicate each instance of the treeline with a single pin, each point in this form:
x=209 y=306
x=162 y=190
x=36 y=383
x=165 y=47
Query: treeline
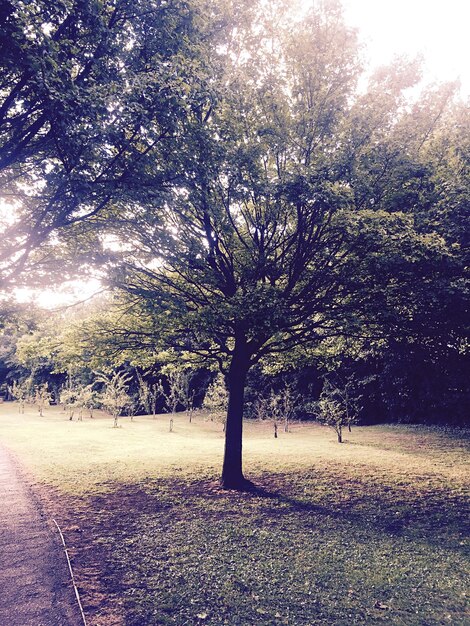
x=72 y=360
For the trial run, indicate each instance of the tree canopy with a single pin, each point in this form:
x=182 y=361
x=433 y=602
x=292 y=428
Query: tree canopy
x=88 y=90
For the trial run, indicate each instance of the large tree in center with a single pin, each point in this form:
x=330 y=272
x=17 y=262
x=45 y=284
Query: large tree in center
x=252 y=252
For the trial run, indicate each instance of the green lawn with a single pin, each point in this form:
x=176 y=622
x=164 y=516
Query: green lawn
x=372 y=531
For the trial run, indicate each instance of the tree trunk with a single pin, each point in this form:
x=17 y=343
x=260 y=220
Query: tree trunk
x=232 y=473
x=339 y=432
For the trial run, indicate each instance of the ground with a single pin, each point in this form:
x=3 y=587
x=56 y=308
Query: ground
x=372 y=531
x=35 y=583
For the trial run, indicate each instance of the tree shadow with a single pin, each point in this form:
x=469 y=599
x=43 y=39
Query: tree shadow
x=374 y=514
x=438 y=517
x=434 y=516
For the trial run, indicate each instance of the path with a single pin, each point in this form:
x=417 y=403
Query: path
x=35 y=588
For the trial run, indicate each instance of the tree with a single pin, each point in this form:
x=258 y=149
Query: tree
x=216 y=398
x=42 y=397
x=87 y=399
x=81 y=397
x=114 y=397
x=21 y=391
x=262 y=407
x=264 y=245
x=338 y=405
x=280 y=406
x=88 y=89
x=248 y=269
x=149 y=394
x=331 y=410
x=68 y=398
x=289 y=401
x=177 y=390
x=275 y=410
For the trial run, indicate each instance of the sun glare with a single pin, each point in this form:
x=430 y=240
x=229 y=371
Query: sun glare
x=436 y=30
x=67 y=294
x=431 y=29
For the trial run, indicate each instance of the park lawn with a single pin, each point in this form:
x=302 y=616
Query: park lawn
x=372 y=531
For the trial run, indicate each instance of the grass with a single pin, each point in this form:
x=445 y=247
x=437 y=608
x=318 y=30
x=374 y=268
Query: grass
x=373 y=531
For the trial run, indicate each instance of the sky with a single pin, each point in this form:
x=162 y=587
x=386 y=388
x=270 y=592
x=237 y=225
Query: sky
x=63 y=296
x=438 y=29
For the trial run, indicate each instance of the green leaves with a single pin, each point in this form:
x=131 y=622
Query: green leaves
x=94 y=88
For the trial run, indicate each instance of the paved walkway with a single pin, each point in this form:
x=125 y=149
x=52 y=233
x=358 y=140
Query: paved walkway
x=35 y=588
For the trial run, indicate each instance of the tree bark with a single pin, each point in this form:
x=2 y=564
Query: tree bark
x=232 y=471
x=339 y=432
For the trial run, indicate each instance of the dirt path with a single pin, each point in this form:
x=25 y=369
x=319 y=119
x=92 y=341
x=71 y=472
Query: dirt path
x=35 y=588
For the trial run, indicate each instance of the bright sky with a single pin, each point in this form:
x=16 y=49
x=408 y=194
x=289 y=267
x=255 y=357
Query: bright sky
x=436 y=28
x=65 y=295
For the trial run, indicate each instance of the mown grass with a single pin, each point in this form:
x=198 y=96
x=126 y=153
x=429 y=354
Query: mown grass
x=373 y=531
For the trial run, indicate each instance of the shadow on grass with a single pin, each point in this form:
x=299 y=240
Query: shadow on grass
x=428 y=514
x=436 y=517
x=144 y=541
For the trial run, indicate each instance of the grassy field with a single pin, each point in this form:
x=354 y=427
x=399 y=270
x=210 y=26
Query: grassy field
x=373 y=531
